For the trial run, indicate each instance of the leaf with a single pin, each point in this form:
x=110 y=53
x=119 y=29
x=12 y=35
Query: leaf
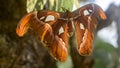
x=35 y=5
x=67 y=4
x=30 y=5
x=40 y=4
x=55 y=5
x=77 y=5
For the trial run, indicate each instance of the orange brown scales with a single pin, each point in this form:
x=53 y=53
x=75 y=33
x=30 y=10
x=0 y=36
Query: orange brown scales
x=52 y=42
x=86 y=24
x=45 y=13
x=54 y=28
x=23 y=25
x=58 y=51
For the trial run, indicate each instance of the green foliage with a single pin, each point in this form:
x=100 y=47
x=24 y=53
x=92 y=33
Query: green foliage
x=105 y=54
x=56 y=5
x=82 y=0
x=67 y=4
x=31 y=5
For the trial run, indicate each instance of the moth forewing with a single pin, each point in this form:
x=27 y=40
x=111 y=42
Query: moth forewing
x=58 y=49
x=79 y=34
x=86 y=45
x=24 y=24
x=49 y=17
x=56 y=41
x=64 y=36
x=86 y=20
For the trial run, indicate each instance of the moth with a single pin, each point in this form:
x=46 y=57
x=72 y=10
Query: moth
x=54 y=28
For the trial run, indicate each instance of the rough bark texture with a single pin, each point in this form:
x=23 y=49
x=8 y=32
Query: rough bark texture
x=15 y=52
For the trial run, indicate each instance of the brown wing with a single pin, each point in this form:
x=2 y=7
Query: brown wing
x=45 y=25
x=86 y=20
x=23 y=25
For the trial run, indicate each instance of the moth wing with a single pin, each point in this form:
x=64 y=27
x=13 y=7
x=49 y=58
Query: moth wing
x=45 y=25
x=85 y=25
x=60 y=30
x=58 y=43
x=23 y=24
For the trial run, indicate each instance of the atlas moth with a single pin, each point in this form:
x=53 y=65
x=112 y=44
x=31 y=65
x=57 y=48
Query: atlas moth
x=54 y=28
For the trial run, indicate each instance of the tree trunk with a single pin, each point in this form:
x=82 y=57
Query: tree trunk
x=15 y=52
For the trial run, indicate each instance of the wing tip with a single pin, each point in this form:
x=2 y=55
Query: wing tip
x=23 y=24
x=100 y=11
x=102 y=15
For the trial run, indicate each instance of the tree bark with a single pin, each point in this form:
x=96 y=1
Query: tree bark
x=16 y=52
